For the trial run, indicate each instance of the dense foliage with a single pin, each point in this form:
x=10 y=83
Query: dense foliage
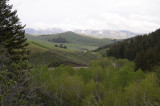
x=144 y=49
x=108 y=82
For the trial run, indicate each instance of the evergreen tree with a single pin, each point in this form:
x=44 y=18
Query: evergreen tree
x=12 y=34
x=141 y=61
x=13 y=55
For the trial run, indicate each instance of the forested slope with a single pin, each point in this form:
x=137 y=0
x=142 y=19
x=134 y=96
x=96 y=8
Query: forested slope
x=143 y=49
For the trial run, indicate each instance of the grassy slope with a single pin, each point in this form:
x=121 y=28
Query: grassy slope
x=70 y=46
x=42 y=54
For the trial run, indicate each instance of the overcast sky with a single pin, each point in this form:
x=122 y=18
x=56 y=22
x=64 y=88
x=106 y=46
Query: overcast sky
x=140 y=16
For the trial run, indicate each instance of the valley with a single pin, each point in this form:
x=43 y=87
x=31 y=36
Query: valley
x=77 y=51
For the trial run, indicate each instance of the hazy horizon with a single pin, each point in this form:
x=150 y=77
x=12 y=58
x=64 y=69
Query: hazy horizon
x=137 y=16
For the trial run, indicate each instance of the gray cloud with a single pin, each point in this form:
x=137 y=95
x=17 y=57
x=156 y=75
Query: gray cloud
x=140 y=16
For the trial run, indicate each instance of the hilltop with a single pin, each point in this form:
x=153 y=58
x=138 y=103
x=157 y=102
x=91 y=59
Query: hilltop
x=74 y=38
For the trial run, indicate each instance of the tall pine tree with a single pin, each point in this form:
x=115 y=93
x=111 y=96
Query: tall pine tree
x=12 y=34
x=15 y=89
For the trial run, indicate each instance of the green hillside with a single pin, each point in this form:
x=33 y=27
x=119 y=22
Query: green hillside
x=44 y=54
x=73 y=38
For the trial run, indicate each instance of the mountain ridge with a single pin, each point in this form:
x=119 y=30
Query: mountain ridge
x=120 y=34
x=74 y=38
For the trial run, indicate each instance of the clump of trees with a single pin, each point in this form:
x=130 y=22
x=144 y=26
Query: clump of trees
x=61 y=46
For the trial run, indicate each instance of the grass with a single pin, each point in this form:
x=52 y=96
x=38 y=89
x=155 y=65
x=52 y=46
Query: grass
x=44 y=53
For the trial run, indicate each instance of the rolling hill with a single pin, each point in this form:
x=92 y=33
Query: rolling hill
x=72 y=40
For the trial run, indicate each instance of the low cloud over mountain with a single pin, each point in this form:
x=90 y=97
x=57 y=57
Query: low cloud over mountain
x=121 y=34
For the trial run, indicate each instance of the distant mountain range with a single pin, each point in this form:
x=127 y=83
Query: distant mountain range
x=121 y=34
x=43 y=31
